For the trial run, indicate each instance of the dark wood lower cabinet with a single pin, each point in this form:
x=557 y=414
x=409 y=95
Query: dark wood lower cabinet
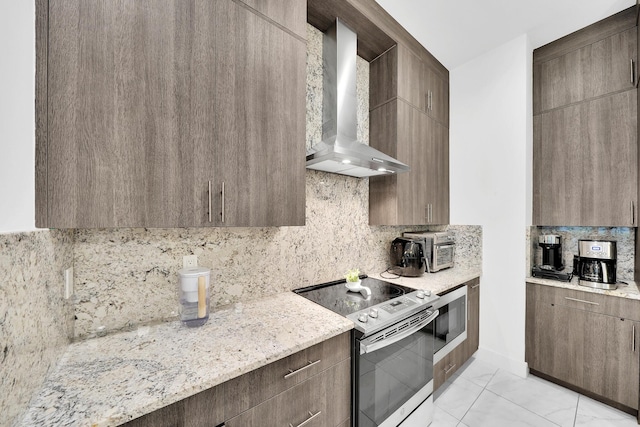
x=445 y=368
x=473 y=318
x=264 y=397
x=324 y=400
x=594 y=353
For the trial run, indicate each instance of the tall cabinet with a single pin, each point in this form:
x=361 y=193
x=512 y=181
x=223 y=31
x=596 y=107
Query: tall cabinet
x=170 y=114
x=585 y=152
x=409 y=110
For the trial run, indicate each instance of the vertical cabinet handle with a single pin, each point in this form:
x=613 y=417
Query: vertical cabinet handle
x=633 y=213
x=426 y=213
x=633 y=340
x=633 y=73
x=209 y=194
x=222 y=200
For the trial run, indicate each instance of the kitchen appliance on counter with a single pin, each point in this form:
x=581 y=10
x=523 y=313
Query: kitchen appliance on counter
x=597 y=261
x=392 y=350
x=552 y=266
x=439 y=248
x=407 y=257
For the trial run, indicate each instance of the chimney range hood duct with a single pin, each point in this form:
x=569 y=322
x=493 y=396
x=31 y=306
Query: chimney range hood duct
x=340 y=151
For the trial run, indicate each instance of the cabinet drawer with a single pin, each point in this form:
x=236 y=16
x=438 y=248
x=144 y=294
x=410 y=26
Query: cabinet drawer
x=445 y=368
x=261 y=384
x=323 y=400
x=584 y=300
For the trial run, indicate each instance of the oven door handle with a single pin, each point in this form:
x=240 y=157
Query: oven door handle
x=368 y=348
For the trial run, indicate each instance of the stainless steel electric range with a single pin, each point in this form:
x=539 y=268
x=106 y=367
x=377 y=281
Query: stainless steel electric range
x=392 y=350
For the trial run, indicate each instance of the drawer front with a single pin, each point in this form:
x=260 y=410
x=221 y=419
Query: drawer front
x=321 y=401
x=261 y=384
x=584 y=300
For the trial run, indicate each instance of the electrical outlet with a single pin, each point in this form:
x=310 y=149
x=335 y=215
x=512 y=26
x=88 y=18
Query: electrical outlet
x=68 y=283
x=189 y=261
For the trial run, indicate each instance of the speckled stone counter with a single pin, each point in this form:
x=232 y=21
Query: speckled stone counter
x=628 y=289
x=438 y=282
x=110 y=380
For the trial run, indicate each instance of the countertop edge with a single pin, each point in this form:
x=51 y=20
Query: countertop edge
x=630 y=291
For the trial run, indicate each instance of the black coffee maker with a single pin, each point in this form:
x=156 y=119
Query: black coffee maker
x=597 y=261
x=407 y=257
x=552 y=266
x=551 y=251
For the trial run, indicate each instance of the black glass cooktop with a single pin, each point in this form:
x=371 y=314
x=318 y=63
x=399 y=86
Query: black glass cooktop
x=337 y=298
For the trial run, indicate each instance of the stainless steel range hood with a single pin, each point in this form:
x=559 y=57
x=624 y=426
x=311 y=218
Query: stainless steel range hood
x=340 y=151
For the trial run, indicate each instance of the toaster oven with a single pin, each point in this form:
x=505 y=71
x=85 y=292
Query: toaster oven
x=439 y=248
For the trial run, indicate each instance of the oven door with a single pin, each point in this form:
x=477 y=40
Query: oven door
x=393 y=372
x=443 y=256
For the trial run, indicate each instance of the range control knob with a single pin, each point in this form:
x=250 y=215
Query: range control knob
x=420 y=294
x=363 y=318
x=427 y=292
x=373 y=313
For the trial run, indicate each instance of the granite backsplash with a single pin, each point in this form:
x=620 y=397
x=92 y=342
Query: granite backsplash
x=624 y=237
x=36 y=323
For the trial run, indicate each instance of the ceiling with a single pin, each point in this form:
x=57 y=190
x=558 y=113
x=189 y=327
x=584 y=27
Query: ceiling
x=457 y=31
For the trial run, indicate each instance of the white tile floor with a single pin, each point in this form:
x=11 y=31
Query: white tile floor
x=481 y=395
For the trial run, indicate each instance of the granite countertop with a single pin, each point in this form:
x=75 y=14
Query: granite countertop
x=110 y=380
x=626 y=288
x=437 y=282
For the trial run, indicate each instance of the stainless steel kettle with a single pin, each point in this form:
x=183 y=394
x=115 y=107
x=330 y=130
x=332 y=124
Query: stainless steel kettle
x=407 y=257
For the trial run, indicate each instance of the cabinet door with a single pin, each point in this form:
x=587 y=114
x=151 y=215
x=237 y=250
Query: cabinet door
x=438 y=90
x=151 y=101
x=554 y=337
x=473 y=319
x=597 y=69
x=399 y=129
x=260 y=123
x=611 y=358
x=412 y=86
x=436 y=175
x=585 y=163
x=118 y=153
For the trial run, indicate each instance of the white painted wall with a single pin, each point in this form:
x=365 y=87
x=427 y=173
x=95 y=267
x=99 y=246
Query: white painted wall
x=491 y=152
x=17 y=115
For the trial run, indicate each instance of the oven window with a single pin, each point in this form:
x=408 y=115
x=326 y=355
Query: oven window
x=450 y=323
x=444 y=255
x=390 y=376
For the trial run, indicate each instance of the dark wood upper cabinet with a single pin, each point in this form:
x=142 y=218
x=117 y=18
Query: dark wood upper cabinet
x=404 y=126
x=585 y=149
x=603 y=67
x=401 y=73
x=585 y=163
x=151 y=107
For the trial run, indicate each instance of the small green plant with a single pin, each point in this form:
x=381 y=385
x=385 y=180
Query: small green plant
x=352 y=275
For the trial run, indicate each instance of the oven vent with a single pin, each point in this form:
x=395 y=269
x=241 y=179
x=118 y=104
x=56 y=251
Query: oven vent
x=399 y=327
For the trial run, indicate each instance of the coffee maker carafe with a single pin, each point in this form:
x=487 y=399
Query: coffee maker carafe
x=597 y=261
